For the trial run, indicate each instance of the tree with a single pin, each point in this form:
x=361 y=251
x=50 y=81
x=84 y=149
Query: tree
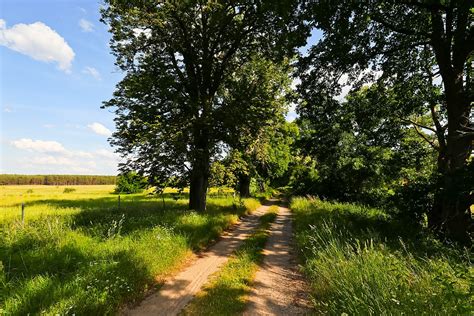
x=262 y=86
x=177 y=55
x=130 y=182
x=264 y=159
x=363 y=150
x=404 y=40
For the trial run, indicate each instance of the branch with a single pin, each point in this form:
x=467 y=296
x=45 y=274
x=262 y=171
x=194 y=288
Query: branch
x=439 y=128
x=463 y=37
x=426 y=138
x=398 y=29
x=467 y=133
x=417 y=124
x=425 y=5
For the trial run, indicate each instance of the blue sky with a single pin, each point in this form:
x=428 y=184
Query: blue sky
x=50 y=95
x=56 y=70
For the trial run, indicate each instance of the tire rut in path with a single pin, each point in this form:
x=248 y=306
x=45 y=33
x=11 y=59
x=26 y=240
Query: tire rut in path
x=279 y=288
x=180 y=289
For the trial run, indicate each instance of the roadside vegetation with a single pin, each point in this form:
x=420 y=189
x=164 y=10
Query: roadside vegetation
x=80 y=253
x=360 y=261
x=227 y=291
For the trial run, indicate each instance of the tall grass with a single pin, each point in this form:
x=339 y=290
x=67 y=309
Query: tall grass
x=79 y=253
x=361 y=262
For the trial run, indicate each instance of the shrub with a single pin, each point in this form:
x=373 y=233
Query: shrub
x=69 y=190
x=131 y=182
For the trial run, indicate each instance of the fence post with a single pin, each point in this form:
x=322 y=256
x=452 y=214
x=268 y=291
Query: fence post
x=119 y=202
x=23 y=213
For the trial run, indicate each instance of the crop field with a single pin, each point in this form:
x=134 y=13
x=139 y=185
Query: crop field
x=79 y=251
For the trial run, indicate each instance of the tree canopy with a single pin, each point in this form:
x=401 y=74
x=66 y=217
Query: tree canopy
x=177 y=56
x=412 y=46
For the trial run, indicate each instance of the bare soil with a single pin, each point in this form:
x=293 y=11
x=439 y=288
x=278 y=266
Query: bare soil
x=279 y=288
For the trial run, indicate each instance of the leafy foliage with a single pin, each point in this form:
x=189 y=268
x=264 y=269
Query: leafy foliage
x=407 y=47
x=178 y=57
x=365 y=152
x=131 y=182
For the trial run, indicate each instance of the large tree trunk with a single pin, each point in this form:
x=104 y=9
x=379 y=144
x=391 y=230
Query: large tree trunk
x=200 y=168
x=198 y=191
x=451 y=210
x=244 y=185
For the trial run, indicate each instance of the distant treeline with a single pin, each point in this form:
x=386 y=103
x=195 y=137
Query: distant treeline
x=19 y=179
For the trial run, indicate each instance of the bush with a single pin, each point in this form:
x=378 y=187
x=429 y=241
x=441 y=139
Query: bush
x=131 y=182
x=69 y=190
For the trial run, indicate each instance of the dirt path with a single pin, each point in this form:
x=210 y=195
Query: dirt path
x=179 y=290
x=279 y=288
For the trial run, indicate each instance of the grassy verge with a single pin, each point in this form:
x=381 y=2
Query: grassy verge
x=362 y=262
x=226 y=293
x=79 y=253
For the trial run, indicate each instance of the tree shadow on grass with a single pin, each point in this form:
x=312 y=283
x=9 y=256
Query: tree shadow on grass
x=44 y=272
x=139 y=212
x=81 y=290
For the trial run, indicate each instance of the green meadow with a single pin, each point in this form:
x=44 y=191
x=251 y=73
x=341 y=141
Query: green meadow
x=79 y=252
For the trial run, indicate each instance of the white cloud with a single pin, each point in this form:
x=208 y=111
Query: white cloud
x=52 y=160
x=66 y=165
x=86 y=25
x=100 y=129
x=107 y=154
x=92 y=71
x=7 y=109
x=39 y=145
x=48 y=125
x=83 y=154
x=52 y=157
x=38 y=41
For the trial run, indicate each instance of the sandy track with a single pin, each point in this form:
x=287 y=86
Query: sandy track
x=279 y=289
x=179 y=290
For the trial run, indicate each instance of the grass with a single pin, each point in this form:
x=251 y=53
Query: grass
x=78 y=253
x=226 y=293
x=361 y=262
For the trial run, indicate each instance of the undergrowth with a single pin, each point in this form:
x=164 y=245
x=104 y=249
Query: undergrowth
x=362 y=262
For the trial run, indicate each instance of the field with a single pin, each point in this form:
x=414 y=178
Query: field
x=80 y=252
x=360 y=261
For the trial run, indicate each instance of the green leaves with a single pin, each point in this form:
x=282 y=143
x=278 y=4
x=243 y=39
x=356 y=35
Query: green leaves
x=196 y=74
x=130 y=182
